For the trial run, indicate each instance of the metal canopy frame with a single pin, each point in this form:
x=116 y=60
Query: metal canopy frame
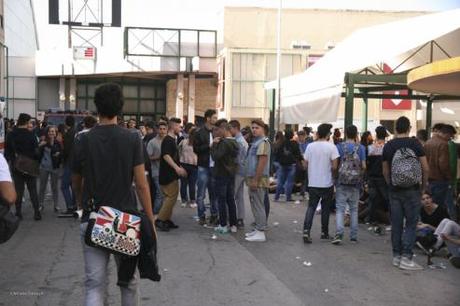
x=373 y=86
x=369 y=84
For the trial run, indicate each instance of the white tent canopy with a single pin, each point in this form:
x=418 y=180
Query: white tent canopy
x=314 y=95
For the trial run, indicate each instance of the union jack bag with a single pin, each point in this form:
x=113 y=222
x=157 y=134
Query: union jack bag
x=114 y=230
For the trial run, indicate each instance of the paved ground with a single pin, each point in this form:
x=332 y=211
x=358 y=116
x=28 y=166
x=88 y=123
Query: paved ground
x=43 y=265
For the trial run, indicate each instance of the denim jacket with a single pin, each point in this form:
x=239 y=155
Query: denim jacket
x=251 y=160
x=243 y=151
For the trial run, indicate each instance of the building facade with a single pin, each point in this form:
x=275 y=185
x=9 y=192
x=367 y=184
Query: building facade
x=21 y=43
x=249 y=40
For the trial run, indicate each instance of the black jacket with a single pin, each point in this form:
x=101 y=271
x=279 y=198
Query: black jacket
x=55 y=158
x=225 y=155
x=201 y=146
x=69 y=138
x=146 y=261
x=21 y=141
x=288 y=153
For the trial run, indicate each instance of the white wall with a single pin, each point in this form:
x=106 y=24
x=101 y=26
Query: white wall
x=21 y=42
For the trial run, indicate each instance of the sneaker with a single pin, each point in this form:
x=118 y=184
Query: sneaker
x=233 y=229
x=69 y=211
x=337 y=239
x=214 y=220
x=250 y=233
x=193 y=205
x=455 y=261
x=183 y=204
x=37 y=216
x=396 y=261
x=240 y=223
x=378 y=230
x=202 y=221
x=325 y=236
x=162 y=226
x=409 y=264
x=306 y=236
x=171 y=224
x=257 y=237
x=353 y=240
x=221 y=229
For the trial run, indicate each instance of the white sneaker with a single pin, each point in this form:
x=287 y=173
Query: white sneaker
x=193 y=205
x=253 y=232
x=396 y=261
x=183 y=205
x=221 y=229
x=257 y=237
x=233 y=229
x=409 y=264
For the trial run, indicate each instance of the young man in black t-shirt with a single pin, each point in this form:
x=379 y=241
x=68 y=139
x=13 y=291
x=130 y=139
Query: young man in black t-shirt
x=404 y=200
x=170 y=171
x=106 y=160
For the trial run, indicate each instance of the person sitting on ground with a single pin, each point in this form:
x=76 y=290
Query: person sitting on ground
x=431 y=215
x=448 y=233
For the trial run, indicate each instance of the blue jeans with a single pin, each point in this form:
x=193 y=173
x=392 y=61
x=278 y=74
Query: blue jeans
x=286 y=180
x=404 y=204
x=158 y=198
x=190 y=182
x=326 y=196
x=443 y=195
x=225 y=191
x=205 y=181
x=66 y=188
x=96 y=276
x=347 y=195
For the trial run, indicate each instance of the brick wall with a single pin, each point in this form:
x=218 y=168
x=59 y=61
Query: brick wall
x=205 y=96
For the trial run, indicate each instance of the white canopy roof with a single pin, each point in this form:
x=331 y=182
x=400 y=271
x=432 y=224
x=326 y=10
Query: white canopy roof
x=314 y=95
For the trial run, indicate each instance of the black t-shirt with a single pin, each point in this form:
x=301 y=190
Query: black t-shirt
x=106 y=157
x=168 y=147
x=394 y=145
x=435 y=218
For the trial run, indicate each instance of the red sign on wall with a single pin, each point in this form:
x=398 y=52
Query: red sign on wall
x=396 y=104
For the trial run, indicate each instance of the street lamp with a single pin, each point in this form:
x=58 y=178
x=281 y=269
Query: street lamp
x=278 y=66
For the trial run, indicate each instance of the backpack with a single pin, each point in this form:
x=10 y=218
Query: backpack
x=406 y=170
x=350 y=170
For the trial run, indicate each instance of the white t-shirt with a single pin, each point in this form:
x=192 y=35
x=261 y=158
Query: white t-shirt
x=5 y=175
x=320 y=155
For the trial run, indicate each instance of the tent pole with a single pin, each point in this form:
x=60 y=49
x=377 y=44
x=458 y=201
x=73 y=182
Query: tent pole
x=350 y=90
x=429 y=116
x=272 y=114
x=364 y=114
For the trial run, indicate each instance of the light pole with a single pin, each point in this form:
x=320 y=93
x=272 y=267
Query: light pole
x=278 y=67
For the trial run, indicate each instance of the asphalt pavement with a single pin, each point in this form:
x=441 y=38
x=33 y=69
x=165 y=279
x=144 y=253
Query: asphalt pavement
x=43 y=265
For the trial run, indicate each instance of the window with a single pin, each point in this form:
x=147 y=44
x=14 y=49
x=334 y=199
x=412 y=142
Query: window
x=143 y=99
x=250 y=71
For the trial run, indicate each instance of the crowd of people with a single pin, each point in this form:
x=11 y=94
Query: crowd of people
x=409 y=183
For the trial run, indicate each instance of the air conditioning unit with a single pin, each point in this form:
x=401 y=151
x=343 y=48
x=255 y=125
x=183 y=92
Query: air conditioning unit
x=329 y=45
x=303 y=45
